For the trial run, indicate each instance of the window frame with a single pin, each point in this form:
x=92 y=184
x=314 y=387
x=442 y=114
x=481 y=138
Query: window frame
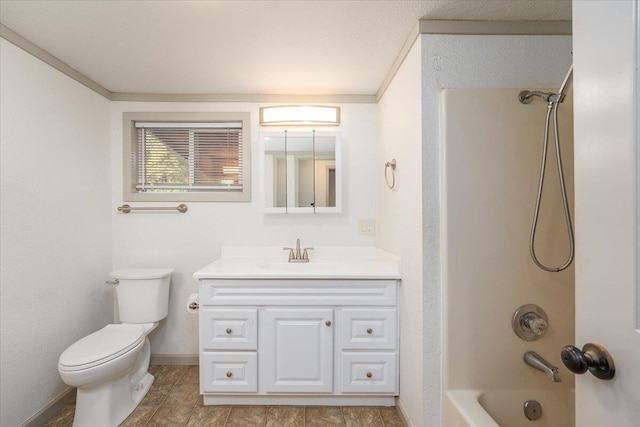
x=129 y=137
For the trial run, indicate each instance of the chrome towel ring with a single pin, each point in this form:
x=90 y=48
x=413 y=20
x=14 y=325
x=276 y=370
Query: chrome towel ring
x=392 y=165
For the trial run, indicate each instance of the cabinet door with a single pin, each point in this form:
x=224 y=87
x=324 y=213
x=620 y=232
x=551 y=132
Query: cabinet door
x=299 y=350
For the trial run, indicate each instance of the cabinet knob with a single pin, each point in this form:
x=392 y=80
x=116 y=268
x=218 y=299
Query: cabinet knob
x=369 y=331
x=229 y=331
x=369 y=375
x=229 y=374
x=328 y=323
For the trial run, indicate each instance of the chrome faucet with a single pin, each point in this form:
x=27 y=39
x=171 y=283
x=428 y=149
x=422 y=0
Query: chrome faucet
x=536 y=361
x=295 y=255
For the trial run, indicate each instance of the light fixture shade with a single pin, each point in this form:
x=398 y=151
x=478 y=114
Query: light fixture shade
x=299 y=115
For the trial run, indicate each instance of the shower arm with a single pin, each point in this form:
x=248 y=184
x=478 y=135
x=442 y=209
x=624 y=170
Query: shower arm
x=526 y=96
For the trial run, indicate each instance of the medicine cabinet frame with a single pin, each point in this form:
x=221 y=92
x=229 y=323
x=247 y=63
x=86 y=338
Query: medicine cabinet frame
x=293 y=135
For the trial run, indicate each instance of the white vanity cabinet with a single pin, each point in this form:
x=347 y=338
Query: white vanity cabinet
x=298 y=341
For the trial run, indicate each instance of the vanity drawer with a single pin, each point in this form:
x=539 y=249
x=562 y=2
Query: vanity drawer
x=368 y=373
x=232 y=372
x=228 y=329
x=368 y=329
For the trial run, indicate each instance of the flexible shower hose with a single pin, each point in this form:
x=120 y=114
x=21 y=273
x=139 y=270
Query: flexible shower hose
x=552 y=107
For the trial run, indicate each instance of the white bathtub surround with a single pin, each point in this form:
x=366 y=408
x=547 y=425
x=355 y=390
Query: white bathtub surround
x=487 y=269
x=318 y=333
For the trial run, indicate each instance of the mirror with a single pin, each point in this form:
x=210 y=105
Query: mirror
x=301 y=172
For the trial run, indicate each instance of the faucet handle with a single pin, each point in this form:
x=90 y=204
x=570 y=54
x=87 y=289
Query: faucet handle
x=535 y=323
x=291 y=255
x=305 y=254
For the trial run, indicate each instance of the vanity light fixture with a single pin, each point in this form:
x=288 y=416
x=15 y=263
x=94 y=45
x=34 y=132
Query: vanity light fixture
x=299 y=115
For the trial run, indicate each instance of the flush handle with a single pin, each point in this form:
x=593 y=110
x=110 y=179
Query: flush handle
x=593 y=358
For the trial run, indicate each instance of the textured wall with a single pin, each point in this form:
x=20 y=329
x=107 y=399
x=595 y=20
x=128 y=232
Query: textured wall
x=467 y=62
x=56 y=226
x=189 y=242
x=400 y=218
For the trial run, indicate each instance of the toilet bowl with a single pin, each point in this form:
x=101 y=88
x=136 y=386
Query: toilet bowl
x=110 y=367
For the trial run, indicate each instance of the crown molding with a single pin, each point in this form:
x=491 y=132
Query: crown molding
x=11 y=36
x=35 y=50
x=241 y=97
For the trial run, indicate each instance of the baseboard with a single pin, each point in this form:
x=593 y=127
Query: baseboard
x=40 y=418
x=403 y=413
x=175 y=359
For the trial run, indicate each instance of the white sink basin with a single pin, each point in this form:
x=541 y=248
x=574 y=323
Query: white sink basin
x=299 y=267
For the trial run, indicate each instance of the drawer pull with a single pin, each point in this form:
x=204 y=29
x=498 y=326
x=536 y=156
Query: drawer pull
x=229 y=374
x=369 y=375
x=328 y=323
x=369 y=331
x=229 y=331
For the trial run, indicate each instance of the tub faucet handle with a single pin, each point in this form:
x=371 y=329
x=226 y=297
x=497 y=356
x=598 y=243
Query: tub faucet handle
x=535 y=323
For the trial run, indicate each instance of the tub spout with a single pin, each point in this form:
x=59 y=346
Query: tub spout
x=536 y=361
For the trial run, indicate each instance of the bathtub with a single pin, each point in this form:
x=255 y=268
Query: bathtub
x=504 y=408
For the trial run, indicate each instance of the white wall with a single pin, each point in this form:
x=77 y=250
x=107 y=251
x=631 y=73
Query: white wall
x=400 y=218
x=450 y=61
x=189 y=241
x=55 y=226
x=492 y=146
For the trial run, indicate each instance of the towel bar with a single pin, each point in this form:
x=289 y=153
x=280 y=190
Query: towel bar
x=182 y=208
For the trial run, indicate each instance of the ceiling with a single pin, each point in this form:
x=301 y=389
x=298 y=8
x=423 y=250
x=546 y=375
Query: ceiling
x=243 y=47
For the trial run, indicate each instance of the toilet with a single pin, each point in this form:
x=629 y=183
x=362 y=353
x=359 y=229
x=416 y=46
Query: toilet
x=110 y=366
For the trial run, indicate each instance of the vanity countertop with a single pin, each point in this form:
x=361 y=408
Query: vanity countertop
x=270 y=262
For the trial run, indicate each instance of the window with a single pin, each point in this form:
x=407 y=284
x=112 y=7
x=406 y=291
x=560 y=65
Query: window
x=186 y=157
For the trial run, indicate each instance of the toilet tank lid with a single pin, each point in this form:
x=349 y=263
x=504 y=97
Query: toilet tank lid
x=141 y=273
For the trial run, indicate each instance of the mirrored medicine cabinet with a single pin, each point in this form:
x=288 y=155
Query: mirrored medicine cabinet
x=301 y=172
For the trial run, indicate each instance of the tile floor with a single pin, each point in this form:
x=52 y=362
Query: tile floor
x=174 y=400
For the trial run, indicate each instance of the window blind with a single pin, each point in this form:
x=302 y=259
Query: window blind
x=188 y=157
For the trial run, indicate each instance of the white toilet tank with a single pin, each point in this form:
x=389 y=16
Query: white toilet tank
x=143 y=294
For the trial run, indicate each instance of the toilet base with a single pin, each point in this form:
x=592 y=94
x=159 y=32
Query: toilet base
x=109 y=403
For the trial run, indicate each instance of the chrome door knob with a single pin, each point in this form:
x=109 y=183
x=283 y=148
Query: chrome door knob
x=593 y=358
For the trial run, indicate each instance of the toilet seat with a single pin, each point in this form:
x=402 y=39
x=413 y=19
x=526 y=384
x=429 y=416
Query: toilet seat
x=101 y=347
